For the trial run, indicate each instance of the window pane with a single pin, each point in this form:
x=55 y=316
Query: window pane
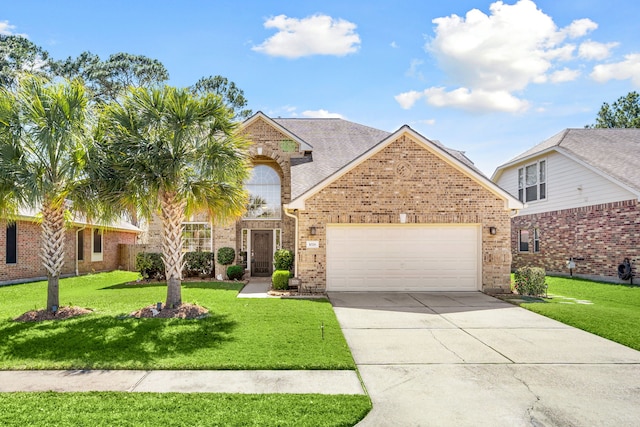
x=543 y=171
x=532 y=193
x=536 y=240
x=520 y=195
x=543 y=191
x=12 y=244
x=196 y=237
x=532 y=176
x=80 y=248
x=524 y=240
x=97 y=241
x=264 y=193
x=520 y=178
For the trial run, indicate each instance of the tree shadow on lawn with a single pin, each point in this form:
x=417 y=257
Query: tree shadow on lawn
x=107 y=342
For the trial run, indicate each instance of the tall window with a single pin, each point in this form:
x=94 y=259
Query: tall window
x=12 y=244
x=532 y=182
x=264 y=194
x=80 y=255
x=523 y=240
x=196 y=236
x=536 y=240
x=96 y=245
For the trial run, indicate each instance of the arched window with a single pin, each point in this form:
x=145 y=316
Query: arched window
x=264 y=194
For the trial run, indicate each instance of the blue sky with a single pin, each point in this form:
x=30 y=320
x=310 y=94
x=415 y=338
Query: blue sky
x=489 y=78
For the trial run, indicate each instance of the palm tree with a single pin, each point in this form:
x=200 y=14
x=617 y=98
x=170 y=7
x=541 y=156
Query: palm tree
x=44 y=141
x=167 y=150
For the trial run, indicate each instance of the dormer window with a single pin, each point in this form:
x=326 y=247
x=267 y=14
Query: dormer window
x=264 y=194
x=532 y=182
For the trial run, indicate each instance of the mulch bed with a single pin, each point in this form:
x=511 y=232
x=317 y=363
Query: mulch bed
x=183 y=311
x=61 y=314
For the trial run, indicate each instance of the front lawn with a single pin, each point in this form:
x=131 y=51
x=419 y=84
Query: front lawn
x=238 y=334
x=180 y=409
x=609 y=310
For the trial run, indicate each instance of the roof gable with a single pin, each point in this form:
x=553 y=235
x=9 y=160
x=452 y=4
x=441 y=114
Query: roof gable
x=302 y=144
x=612 y=153
x=435 y=148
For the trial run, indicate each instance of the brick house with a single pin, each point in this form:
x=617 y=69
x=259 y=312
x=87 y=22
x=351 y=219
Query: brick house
x=365 y=209
x=581 y=190
x=88 y=248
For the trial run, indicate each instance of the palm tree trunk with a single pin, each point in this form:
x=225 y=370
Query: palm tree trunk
x=52 y=249
x=172 y=209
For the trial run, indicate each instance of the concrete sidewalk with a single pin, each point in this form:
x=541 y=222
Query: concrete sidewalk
x=247 y=382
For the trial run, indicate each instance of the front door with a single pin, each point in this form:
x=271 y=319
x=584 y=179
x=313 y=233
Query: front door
x=261 y=253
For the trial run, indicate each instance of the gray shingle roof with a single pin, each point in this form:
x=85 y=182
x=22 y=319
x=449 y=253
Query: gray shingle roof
x=615 y=152
x=335 y=142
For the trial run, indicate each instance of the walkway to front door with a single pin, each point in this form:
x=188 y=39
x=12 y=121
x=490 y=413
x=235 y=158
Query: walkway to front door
x=261 y=253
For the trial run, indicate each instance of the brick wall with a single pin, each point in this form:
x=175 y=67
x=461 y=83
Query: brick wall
x=406 y=178
x=29 y=264
x=601 y=234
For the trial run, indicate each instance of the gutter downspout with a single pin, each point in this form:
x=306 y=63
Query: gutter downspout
x=76 y=255
x=295 y=259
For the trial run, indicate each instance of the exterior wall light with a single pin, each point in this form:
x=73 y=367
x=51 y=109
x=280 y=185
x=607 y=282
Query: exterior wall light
x=313 y=230
x=492 y=231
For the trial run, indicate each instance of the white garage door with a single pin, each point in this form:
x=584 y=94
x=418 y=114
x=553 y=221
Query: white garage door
x=403 y=257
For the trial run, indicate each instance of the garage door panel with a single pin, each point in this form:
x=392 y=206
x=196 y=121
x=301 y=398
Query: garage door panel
x=403 y=258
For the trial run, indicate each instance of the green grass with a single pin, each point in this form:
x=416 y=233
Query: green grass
x=176 y=409
x=238 y=334
x=608 y=310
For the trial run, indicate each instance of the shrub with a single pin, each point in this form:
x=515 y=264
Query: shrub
x=280 y=279
x=530 y=281
x=283 y=259
x=235 y=272
x=226 y=255
x=197 y=263
x=150 y=265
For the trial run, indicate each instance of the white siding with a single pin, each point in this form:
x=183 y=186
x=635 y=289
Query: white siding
x=569 y=185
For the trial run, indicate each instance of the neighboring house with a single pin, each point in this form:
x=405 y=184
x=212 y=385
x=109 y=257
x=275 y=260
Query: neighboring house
x=88 y=248
x=365 y=209
x=581 y=190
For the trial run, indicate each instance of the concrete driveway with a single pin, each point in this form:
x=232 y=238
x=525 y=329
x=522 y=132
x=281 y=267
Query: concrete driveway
x=468 y=359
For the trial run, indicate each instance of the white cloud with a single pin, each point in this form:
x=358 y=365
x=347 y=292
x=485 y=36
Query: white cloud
x=314 y=35
x=475 y=100
x=394 y=45
x=594 y=50
x=623 y=70
x=564 y=75
x=408 y=99
x=414 y=69
x=492 y=58
x=7 y=29
x=579 y=28
x=321 y=114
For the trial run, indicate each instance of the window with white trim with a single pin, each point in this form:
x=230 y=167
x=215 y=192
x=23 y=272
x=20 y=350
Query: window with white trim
x=264 y=194
x=96 y=245
x=196 y=237
x=523 y=240
x=532 y=182
x=536 y=240
x=11 y=241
